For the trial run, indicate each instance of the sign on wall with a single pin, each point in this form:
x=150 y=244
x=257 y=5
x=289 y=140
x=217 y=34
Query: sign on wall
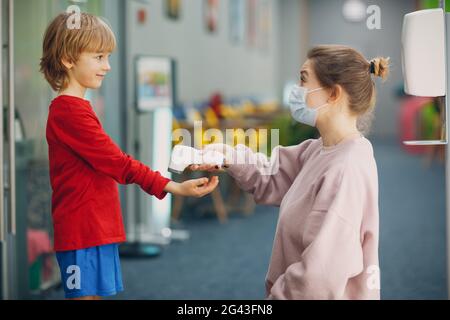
x=154 y=83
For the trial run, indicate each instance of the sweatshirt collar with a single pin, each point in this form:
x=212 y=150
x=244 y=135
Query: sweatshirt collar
x=340 y=145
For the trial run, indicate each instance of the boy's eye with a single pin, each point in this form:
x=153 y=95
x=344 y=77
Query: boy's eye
x=102 y=56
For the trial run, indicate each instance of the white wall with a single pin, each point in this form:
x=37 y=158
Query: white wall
x=206 y=62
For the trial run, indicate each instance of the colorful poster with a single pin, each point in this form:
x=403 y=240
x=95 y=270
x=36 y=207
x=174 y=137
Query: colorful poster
x=237 y=21
x=251 y=23
x=211 y=9
x=264 y=24
x=154 y=83
x=173 y=9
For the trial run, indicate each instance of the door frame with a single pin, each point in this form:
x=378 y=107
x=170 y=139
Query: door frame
x=8 y=274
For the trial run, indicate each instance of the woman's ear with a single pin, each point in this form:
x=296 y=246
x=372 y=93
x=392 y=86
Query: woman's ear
x=336 y=94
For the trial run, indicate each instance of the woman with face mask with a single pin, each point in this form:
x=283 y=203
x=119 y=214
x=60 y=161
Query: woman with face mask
x=326 y=243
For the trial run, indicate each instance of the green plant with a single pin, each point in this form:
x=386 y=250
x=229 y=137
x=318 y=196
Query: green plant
x=292 y=132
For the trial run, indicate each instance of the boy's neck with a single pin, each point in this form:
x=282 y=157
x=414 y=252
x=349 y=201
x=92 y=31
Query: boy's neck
x=73 y=90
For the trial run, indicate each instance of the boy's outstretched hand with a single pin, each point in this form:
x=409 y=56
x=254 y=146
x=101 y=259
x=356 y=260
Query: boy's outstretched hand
x=193 y=188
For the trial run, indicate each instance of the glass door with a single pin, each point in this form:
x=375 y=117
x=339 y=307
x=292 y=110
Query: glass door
x=27 y=264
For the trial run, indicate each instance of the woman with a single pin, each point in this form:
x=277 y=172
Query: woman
x=326 y=243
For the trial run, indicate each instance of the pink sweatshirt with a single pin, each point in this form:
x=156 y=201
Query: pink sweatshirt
x=326 y=242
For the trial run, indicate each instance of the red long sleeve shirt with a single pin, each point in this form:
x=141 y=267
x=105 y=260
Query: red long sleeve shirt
x=85 y=167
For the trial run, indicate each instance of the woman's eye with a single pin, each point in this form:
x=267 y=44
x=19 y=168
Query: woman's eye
x=99 y=57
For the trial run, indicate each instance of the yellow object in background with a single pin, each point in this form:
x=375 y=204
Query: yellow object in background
x=268 y=107
x=175 y=124
x=248 y=108
x=211 y=118
x=249 y=138
x=230 y=112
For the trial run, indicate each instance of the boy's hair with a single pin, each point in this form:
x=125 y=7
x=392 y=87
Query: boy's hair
x=61 y=41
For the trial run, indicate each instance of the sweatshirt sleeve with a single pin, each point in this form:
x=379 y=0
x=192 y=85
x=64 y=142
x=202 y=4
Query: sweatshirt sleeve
x=267 y=179
x=334 y=252
x=81 y=132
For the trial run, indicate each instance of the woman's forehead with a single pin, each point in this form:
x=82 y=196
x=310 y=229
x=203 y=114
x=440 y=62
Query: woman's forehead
x=306 y=65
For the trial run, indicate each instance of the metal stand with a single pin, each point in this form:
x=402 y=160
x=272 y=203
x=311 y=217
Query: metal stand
x=139 y=250
x=138 y=247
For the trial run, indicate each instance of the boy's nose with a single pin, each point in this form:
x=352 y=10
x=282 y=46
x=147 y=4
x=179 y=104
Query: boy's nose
x=107 y=67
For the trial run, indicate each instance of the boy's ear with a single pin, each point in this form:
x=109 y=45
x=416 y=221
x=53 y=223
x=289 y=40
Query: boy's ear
x=67 y=64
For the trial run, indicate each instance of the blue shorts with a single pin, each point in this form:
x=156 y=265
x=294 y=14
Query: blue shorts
x=91 y=272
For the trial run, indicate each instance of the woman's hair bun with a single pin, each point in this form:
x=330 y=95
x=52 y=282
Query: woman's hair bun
x=380 y=67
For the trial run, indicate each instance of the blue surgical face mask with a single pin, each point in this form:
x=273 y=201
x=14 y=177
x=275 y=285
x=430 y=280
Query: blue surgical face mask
x=299 y=108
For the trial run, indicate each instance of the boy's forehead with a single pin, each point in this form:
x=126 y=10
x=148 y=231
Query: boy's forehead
x=96 y=52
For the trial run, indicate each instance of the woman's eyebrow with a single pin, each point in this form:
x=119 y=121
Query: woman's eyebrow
x=304 y=73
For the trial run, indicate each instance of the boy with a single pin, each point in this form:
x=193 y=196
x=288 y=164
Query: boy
x=86 y=165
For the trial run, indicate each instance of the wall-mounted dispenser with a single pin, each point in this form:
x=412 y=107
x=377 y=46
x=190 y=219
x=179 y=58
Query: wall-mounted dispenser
x=424 y=61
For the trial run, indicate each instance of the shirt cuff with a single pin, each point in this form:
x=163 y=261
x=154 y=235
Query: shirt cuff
x=158 y=190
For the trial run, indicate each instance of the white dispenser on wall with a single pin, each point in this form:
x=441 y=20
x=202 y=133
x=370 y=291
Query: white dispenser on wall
x=424 y=60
